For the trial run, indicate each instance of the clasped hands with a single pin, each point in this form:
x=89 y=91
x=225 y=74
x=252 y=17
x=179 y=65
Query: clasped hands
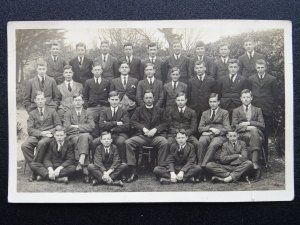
x=46 y=133
x=106 y=178
x=149 y=133
x=178 y=177
x=54 y=173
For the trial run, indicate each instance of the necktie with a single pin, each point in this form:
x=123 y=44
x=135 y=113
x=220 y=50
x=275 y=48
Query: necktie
x=250 y=56
x=80 y=61
x=114 y=113
x=233 y=145
x=97 y=81
x=41 y=114
x=213 y=115
x=128 y=59
x=231 y=79
x=200 y=78
x=174 y=87
x=124 y=82
x=151 y=83
x=180 y=151
x=43 y=82
x=177 y=57
x=69 y=87
x=261 y=77
x=104 y=58
x=247 y=107
x=59 y=147
x=224 y=61
x=55 y=59
x=78 y=115
x=181 y=113
x=152 y=60
x=200 y=58
x=106 y=153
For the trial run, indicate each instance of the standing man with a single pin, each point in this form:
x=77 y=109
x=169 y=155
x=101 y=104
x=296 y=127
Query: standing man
x=264 y=90
x=151 y=123
x=108 y=63
x=177 y=59
x=135 y=64
x=221 y=63
x=55 y=64
x=40 y=128
x=248 y=60
x=81 y=65
x=41 y=83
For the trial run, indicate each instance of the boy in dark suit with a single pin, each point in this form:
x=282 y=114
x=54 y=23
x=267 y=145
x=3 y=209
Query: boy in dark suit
x=221 y=63
x=55 y=64
x=108 y=63
x=150 y=83
x=249 y=123
x=40 y=128
x=134 y=62
x=116 y=121
x=95 y=95
x=172 y=88
x=181 y=162
x=152 y=51
x=234 y=161
x=79 y=125
x=107 y=166
x=264 y=90
x=81 y=65
x=176 y=60
x=247 y=61
x=41 y=83
x=59 y=159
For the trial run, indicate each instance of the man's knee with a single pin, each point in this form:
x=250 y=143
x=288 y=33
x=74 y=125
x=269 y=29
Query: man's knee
x=44 y=141
x=210 y=165
x=91 y=167
x=120 y=140
x=157 y=170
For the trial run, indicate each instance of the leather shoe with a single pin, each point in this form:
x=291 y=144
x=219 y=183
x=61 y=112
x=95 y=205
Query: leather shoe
x=164 y=181
x=32 y=177
x=64 y=180
x=255 y=166
x=257 y=174
x=190 y=180
x=117 y=183
x=86 y=179
x=39 y=178
x=95 y=182
x=132 y=178
x=78 y=167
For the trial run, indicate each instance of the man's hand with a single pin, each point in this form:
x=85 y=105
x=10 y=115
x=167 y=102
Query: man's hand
x=251 y=127
x=152 y=132
x=57 y=171
x=145 y=130
x=206 y=133
x=173 y=177
x=214 y=130
x=244 y=124
x=46 y=133
x=74 y=126
x=180 y=175
x=51 y=173
x=106 y=178
x=119 y=123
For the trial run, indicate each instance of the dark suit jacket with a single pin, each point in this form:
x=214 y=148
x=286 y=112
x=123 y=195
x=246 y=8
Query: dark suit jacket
x=64 y=158
x=113 y=160
x=85 y=123
x=109 y=123
x=230 y=155
x=221 y=69
x=220 y=122
x=157 y=88
x=198 y=92
x=110 y=67
x=209 y=64
x=247 y=67
x=187 y=122
x=94 y=94
x=83 y=72
x=157 y=64
x=170 y=94
x=257 y=120
x=56 y=69
x=130 y=91
x=67 y=96
x=136 y=68
x=182 y=63
x=264 y=93
x=181 y=162
x=50 y=90
x=156 y=119
x=35 y=125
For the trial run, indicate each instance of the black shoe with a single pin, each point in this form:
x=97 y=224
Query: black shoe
x=64 y=180
x=117 y=183
x=132 y=178
x=216 y=179
x=257 y=174
x=86 y=179
x=190 y=180
x=164 y=181
x=39 y=178
x=95 y=182
x=78 y=167
x=32 y=177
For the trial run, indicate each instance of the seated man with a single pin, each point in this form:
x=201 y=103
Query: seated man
x=59 y=159
x=67 y=90
x=181 y=162
x=233 y=160
x=79 y=125
x=151 y=123
x=249 y=123
x=213 y=126
x=40 y=126
x=107 y=166
x=182 y=117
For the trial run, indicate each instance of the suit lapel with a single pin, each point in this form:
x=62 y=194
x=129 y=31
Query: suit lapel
x=37 y=83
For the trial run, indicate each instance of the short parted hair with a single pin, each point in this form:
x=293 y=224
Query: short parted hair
x=179 y=94
x=176 y=42
x=113 y=94
x=55 y=43
x=77 y=95
x=199 y=63
x=104 y=133
x=261 y=62
x=233 y=61
x=59 y=128
x=224 y=44
x=232 y=129
x=181 y=131
x=248 y=39
x=150 y=64
x=41 y=62
x=124 y=62
x=39 y=93
x=97 y=63
x=147 y=92
x=152 y=44
x=213 y=95
x=200 y=44
x=67 y=67
x=80 y=44
x=246 y=91
x=175 y=69
x=128 y=44
x=104 y=42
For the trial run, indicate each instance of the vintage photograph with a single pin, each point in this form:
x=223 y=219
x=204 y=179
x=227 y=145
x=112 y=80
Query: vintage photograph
x=150 y=111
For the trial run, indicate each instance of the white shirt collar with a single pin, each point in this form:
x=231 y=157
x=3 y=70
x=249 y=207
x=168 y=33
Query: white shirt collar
x=201 y=76
x=199 y=57
x=216 y=110
x=61 y=144
x=112 y=109
x=79 y=58
x=179 y=109
x=262 y=76
x=152 y=79
x=126 y=76
x=40 y=77
x=130 y=57
x=43 y=110
x=182 y=146
x=251 y=53
x=106 y=56
x=233 y=77
x=249 y=107
x=152 y=58
x=177 y=56
x=226 y=59
x=67 y=82
x=52 y=56
x=149 y=107
x=78 y=111
x=99 y=79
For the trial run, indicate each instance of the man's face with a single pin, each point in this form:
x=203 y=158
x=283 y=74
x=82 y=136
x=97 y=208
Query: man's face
x=181 y=139
x=78 y=102
x=200 y=51
x=152 y=51
x=80 y=50
x=59 y=136
x=40 y=101
x=128 y=50
x=41 y=70
x=261 y=69
x=181 y=101
x=200 y=69
x=224 y=51
x=149 y=71
x=97 y=71
x=249 y=46
x=232 y=136
x=104 y=48
x=214 y=103
x=55 y=49
x=106 y=140
x=114 y=101
x=68 y=74
x=175 y=75
x=177 y=48
x=246 y=98
x=148 y=99
x=124 y=69
x=233 y=68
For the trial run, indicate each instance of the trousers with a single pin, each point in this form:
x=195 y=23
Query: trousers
x=164 y=172
x=98 y=174
x=40 y=169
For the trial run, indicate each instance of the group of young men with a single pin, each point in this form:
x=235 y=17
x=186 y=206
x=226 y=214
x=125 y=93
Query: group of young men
x=202 y=116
